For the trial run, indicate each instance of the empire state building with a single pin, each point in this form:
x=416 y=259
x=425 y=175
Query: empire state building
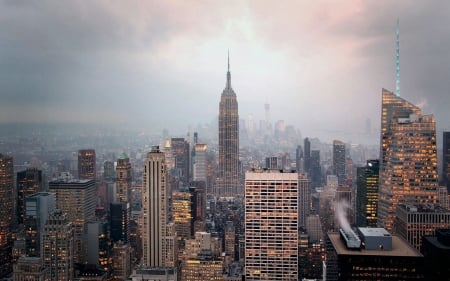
x=228 y=183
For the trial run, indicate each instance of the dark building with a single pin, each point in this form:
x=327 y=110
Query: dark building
x=339 y=161
x=198 y=209
x=86 y=164
x=316 y=170
x=6 y=213
x=28 y=182
x=367 y=183
x=446 y=159
x=272 y=162
x=307 y=156
x=436 y=251
x=119 y=222
x=180 y=153
x=392 y=258
x=299 y=158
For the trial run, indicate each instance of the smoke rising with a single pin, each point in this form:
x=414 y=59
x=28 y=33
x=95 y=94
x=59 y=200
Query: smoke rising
x=340 y=213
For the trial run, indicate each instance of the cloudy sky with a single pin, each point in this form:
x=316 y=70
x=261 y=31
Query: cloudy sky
x=162 y=64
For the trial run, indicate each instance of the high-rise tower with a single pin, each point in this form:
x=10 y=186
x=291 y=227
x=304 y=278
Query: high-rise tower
x=228 y=184
x=154 y=204
x=339 y=160
x=86 y=164
x=6 y=212
x=123 y=179
x=271 y=225
x=408 y=159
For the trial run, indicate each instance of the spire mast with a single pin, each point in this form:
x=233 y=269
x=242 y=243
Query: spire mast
x=397 y=60
x=228 y=86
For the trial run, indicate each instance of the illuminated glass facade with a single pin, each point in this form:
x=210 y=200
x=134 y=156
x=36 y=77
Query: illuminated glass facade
x=123 y=179
x=182 y=214
x=367 y=186
x=86 y=164
x=271 y=225
x=28 y=182
x=228 y=184
x=408 y=159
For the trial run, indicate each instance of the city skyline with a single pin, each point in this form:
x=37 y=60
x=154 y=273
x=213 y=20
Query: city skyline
x=63 y=61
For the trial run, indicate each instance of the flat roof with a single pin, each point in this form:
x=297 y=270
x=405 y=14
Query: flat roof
x=400 y=248
x=373 y=231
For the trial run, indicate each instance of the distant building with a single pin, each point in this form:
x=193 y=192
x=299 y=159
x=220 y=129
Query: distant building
x=272 y=163
x=412 y=222
x=108 y=171
x=182 y=213
x=304 y=199
x=57 y=254
x=395 y=260
x=314 y=228
x=367 y=185
x=307 y=156
x=28 y=182
x=7 y=218
x=339 y=161
x=200 y=162
x=299 y=163
x=86 y=164
x=37 y=209
x=76 y=198
x=121 y=261
x=180 y=152
x=123 y=179
x=316 y=169
x=271 y=225
x=119 y=222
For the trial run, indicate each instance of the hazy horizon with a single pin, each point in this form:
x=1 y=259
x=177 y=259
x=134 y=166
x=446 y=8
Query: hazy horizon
x=162 y=65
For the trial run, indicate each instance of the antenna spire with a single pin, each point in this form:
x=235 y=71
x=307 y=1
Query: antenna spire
x=397 y=60
x=228 y=86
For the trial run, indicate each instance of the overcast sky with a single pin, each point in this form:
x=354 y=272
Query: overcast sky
x=162 y=64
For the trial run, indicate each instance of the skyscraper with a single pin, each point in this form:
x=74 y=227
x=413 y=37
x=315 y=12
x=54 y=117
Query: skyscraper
x=154 y=206
x=299 y=159
x=199 y=165
x=408 y=160
x=86 y=164
x=446 y=159
x=271 y=225
x=28 y=182
x=123 y=179
x=367 y=184
x=307 y=156
x=180 y=152
x=304 y=198
x=316 y=169
x=76 y=198
x=57 y=248
x=339 y=161
x=6 y=212
x=228 y=184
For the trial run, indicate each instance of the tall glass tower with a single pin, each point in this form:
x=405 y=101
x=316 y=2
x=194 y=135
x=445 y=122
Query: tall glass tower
x=228 y=184
x=408 y=158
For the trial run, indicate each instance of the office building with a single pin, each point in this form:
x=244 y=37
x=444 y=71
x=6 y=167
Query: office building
x=316 y=169
x=230 y=239
x=271 y=225
x=304 y=199
x=299 y=159
x=142 y=273
x=408 y=159
x=37 y=209
x=412 y=222
x=108 y=171
x=123 y=179
x=198 y=208
x=57 y=254
x=367 y=185
x=307 y=155
x=272 y=163
x=314 y=228
x=228 y=182
x=385 y=257
x=121 y=261
x=436 y=252
x=339 y=161
x=77 y=198
x=179 y=148
x=119 y=222
x=182 y=213
x=446 y=159
x=30 y=269
x=200 y=162
x=7 y=218
x=204 y=267
x=86 y=164
x=157 y=252
x=28 y=182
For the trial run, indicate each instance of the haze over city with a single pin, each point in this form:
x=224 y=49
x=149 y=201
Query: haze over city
x=161 y=64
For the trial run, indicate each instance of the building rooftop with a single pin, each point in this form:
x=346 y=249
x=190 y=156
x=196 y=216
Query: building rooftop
x=373 y=231
x=400 y=248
